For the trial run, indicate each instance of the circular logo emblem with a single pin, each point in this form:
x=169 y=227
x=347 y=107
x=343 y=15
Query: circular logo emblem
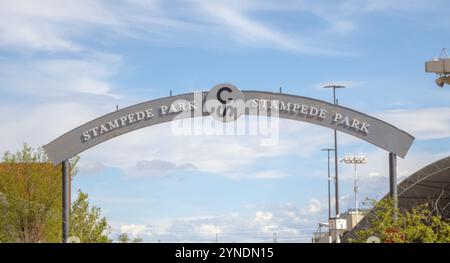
x=225 y=102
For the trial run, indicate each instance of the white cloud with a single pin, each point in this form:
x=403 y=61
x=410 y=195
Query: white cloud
x=286 y=220
x=314 y=207
x=57 y=25
x=424 y=124
x=135 y=230
x=57 y=77
x=159 y=168
x=344 y=18
x=245 y=30
x=61 y=25
x=91 y=167
x=399 y=5
x=262 y=217
x=38 y=124
x=209 y=230
x=25 y=24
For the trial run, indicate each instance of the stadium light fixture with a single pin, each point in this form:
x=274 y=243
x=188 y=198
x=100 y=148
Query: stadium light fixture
x=440 y=66
x=358 y=158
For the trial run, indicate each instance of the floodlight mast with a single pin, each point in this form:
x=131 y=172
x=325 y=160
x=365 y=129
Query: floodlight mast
x=359 y=158
x=440 y=66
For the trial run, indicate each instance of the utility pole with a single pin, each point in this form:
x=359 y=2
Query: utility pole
x=329 y=180
x=329 y=192
x=336 y=162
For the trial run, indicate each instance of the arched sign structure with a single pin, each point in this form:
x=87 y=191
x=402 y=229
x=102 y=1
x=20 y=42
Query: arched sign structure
x=226 y=103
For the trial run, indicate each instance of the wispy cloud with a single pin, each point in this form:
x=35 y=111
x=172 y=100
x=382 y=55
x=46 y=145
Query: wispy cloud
x=57 y=77
x=159 y=168
x=38 y=124
x=424 y=124
x=58 y=25
x=62 y=26
x=46 y=26
x=343 y=17
x=290 y=222
x=245 y=30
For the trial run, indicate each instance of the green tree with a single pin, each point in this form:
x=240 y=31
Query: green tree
x=87 y=223
x=421 y=224
x=138 y=240
x=30 y=197
x=30 y=201
x=124 y=238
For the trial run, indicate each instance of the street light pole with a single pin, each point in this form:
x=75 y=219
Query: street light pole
x=336 y=162
x=329 y=180
x=65 y=200
x=329 y=193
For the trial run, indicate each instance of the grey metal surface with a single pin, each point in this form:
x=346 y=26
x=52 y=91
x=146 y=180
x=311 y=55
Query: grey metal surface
x=430 y=183
x=381 y=133
x=71 y=143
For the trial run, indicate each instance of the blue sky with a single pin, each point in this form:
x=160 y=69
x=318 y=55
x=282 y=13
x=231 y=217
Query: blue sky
x=63 y=63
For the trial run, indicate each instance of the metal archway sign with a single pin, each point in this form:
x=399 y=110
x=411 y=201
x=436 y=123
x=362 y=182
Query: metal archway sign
x=226 y=102
x=346 y=120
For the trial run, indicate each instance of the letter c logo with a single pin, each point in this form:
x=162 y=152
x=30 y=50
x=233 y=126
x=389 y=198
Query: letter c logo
x=219 y=94
x=224 y=102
